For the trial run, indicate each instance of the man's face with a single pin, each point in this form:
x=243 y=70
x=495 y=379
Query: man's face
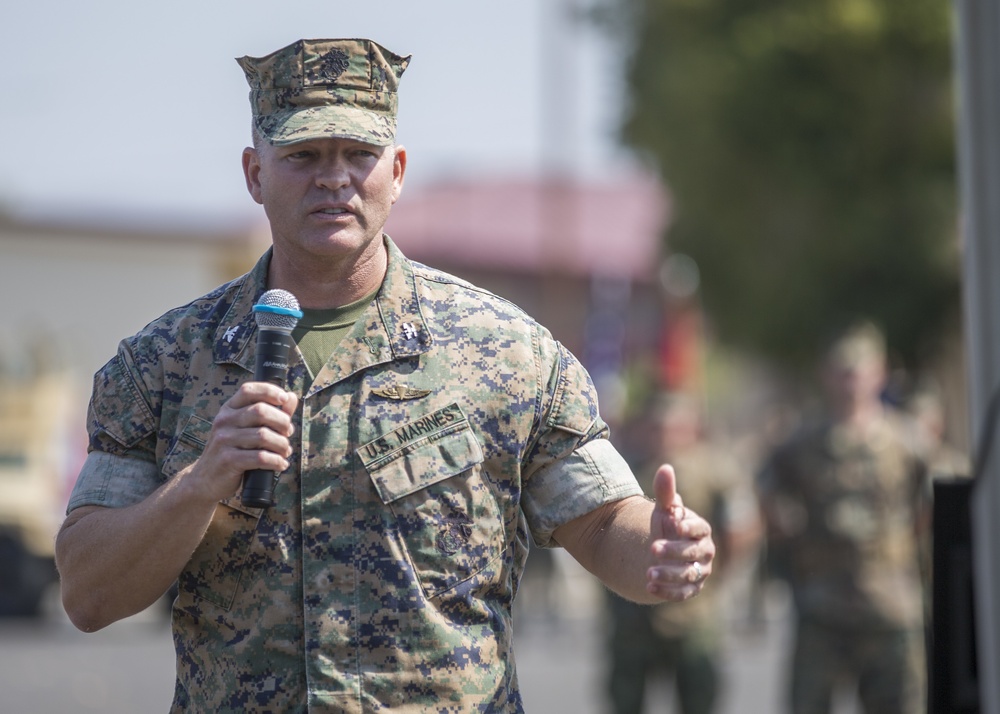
x=325 y=198
x=856 y=383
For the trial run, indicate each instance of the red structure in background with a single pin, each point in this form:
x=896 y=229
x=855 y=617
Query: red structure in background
x=679 y=355
x=536 y=227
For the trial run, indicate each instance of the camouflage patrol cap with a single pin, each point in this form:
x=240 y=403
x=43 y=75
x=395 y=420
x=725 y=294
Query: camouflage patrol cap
x=315 y=89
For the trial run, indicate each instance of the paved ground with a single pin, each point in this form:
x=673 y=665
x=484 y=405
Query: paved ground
x=561 y=661
x=48 y=667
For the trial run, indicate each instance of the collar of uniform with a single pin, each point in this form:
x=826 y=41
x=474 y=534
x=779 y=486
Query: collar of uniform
x=391 y=328
x=399 y=306
x=402 y=324
x=237 y=330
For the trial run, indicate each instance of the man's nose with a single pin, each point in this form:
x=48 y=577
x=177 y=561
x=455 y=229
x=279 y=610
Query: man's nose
x=332 y=174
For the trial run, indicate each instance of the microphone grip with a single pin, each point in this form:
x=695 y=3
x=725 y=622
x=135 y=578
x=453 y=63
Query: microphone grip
x=258 y=488
x=273 y=348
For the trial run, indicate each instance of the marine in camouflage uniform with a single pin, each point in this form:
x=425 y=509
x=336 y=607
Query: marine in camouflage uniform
x=684 y=640
x=444 y=429
x=424 y=457
x=846 y=503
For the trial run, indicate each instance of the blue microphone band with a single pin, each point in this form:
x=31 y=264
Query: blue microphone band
x=276 y=310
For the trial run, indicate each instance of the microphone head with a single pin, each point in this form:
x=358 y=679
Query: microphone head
x=277 y=309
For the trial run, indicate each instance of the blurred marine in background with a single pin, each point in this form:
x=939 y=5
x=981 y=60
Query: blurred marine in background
x=683 y=640
x=846 y=505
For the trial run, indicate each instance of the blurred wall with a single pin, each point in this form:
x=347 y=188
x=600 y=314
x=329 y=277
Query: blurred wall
x=71 y=293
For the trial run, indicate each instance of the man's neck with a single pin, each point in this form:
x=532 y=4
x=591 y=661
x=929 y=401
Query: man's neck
x=324 y=284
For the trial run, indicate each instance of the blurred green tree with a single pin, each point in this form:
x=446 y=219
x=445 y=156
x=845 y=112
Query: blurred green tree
x=809 y=147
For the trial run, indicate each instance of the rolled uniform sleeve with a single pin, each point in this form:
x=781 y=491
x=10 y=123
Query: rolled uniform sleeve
x=121 y=467
x=592 y=476
x=573 y=469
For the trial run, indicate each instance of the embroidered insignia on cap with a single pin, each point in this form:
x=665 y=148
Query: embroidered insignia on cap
x=400 y=393
x=335 y=62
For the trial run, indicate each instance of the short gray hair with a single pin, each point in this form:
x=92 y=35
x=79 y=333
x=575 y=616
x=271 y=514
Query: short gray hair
x=256 y=136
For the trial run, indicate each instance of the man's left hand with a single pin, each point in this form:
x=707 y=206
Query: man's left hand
x=682 y=548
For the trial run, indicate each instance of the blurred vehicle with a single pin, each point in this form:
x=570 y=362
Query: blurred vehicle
x=36 y=458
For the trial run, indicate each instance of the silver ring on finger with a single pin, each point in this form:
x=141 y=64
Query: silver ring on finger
x=698 y=574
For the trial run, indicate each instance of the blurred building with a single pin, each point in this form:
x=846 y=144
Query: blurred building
x=555 y=248
x=583 y=259
x=72 y=291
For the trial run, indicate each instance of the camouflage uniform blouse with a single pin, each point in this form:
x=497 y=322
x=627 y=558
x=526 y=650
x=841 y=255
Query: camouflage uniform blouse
x=851 y=507
x=445 y=427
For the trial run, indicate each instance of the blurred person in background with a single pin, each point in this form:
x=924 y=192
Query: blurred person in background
x=682 y=641
x=428 y=430
x=846 y=507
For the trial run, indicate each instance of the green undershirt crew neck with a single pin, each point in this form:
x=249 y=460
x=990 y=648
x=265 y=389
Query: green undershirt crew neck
x=319 y=332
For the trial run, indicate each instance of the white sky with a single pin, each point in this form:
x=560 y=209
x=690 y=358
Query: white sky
x=136 y=108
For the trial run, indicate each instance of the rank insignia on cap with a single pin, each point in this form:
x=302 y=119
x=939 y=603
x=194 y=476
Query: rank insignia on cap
x=334 y=64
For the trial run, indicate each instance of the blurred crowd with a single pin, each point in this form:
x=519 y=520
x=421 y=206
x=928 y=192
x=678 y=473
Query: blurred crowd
x=831 y=509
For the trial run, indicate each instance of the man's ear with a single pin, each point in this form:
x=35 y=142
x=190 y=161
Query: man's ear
x=251 y=172
x=398 y=170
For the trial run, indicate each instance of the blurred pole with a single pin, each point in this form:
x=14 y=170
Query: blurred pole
x=559 y=38
x=977 y=56
x=558 y=108
x=564 y=43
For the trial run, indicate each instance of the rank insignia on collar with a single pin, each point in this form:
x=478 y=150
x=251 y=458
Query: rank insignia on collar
x=409 y=332
x=400 y=392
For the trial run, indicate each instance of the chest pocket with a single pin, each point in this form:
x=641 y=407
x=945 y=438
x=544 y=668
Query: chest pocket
x=214 y=571
x=429 y=473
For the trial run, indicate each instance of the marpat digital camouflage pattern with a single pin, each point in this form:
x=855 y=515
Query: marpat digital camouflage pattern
x=854 y=499
x=316 y=89
x=445 y=427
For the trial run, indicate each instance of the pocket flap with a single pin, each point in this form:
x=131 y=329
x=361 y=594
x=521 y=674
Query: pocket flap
x=420 y=453
x=187 y=449
x=188 y=445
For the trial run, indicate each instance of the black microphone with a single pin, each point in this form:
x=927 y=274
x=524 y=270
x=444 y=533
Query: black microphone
x=277 y=312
